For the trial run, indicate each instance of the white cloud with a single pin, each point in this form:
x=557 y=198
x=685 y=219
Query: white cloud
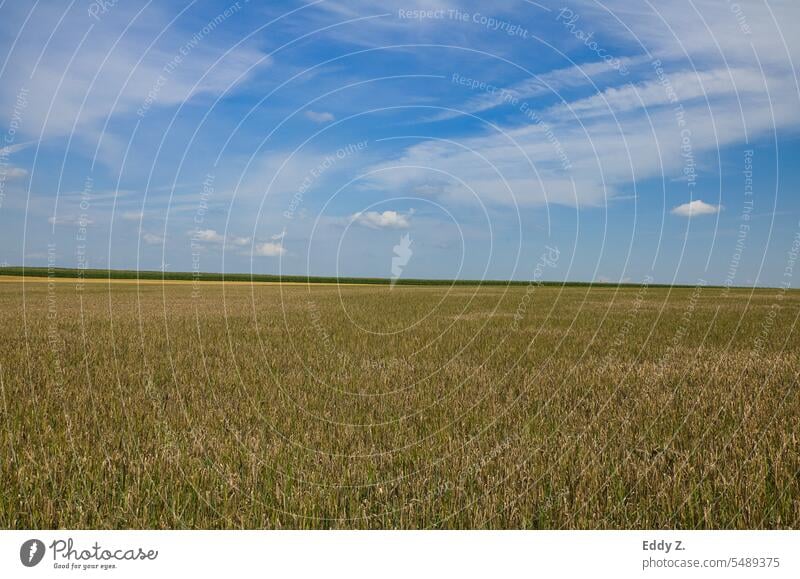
x=695 y=208
x=268 y=249
x=385 y=220
x=90 y=71
x=238 y=240
x=79 y=221
x=627 y=129
x=702 y=29
x=11 y=149
x=152 y=239
x=212 y=236
x=717 y=82
x=14 y=173
x=208 y=235
x=320 y=117
x=381 y=23
x=132 y=215
x=584 y=161
x=552 y=82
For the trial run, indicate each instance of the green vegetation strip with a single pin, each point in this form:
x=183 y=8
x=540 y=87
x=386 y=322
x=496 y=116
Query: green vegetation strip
x=74 y=273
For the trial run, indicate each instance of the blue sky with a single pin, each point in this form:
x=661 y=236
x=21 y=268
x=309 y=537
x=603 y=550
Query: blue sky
x=640 y=140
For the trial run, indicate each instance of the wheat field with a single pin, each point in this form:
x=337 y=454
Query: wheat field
x=213 y=405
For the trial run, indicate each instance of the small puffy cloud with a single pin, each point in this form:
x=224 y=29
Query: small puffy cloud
x=152 y=239
x=385 y=220
x=15 y=173
x=77 y=220
x=278 y=236
x=232 y=240
x=268 y=249
x=211 y=236
x=132 y=215
x=319 y=117
x=695 y=208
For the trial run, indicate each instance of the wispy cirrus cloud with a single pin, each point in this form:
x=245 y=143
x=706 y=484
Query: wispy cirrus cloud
x=682 y=102
x=89 y=70
x=11 y=149
x=552 y=83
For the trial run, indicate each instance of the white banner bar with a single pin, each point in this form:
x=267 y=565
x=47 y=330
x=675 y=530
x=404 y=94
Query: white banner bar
x=120 y=554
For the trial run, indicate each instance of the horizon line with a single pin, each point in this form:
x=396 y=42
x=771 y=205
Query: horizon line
x=154 y=274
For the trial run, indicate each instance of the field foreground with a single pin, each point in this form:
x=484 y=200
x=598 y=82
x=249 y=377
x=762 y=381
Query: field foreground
x=294 y=406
